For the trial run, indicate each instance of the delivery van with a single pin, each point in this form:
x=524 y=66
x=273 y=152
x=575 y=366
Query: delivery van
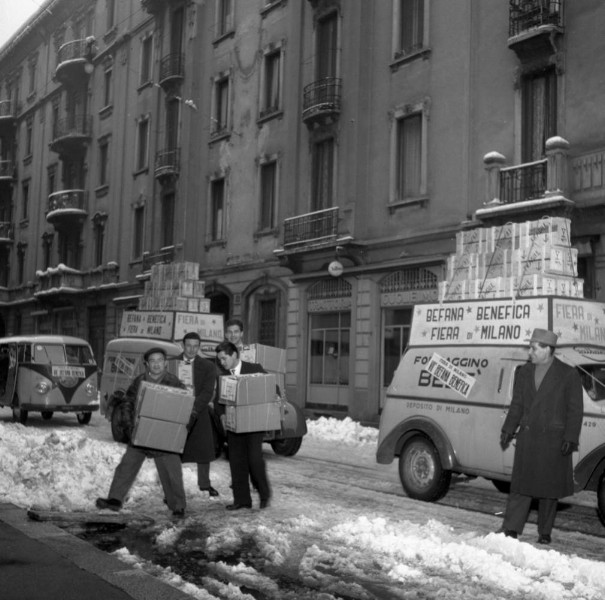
x=450 y=394
x=48 y=374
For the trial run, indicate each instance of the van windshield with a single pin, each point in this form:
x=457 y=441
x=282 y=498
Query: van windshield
x=593 y=381
x=58 y=354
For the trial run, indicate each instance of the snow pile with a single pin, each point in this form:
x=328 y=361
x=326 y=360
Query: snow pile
x=345 y=431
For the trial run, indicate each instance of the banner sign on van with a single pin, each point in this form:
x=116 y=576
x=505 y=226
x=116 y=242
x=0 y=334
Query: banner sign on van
x=578 y=321
x=152 y=324
x=454 y=377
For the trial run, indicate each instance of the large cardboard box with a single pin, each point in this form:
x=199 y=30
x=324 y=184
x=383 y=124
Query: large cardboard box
x=253 y=417
x=270 y=358
x=159 y=435
x=164 y=403
x=256 y=388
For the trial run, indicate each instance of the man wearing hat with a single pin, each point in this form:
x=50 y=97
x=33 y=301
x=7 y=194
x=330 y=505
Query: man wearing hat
x=546 y=416
x=168 y=464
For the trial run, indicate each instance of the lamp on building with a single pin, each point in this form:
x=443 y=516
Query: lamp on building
x=89 y=68
x=335 y=268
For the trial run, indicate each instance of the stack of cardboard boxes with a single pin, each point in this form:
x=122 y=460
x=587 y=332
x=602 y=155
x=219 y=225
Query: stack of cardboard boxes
x=161 y=417
x=251 y=401
x=175 y=286
x=532 y=258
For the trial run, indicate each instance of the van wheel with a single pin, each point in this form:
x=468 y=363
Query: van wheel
x=420 y=470
x=47 y=415
x=19 y=415
x=601 y=498
x=502 y=486
x=84 y=417
x=286 y=447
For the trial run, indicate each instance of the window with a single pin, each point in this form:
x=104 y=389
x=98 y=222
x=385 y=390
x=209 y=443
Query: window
x=99 y=221
x=103 y=161
x=168 y=202
x=142 y=157
x=29 y=136
x=138 y=238
x=70 y=248
x=327 y=46
x=25 y=200
x=220 y=118
x=21 y=250
x=267 y=321
x=32 y=76
x=47 y=247
x=271 y=90
x=52 y=179
x=217 y=209
x=110 y=10
x=329 y=348
x=146 y=60
x=539 y=112
x=322 y=175
x=409 y=156
x=107 y=87
x=4 y=266
x=409 y=27
x=397 y=324
x=224 y=17
x=268 y=195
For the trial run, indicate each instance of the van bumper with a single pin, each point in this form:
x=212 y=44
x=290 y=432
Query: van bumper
x=66 y=408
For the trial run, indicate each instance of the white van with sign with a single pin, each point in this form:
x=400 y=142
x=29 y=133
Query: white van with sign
x=450 y=394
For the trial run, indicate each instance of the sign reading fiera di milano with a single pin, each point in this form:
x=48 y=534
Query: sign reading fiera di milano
x=508 y=321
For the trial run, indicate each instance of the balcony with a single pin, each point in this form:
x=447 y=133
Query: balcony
x=321 y=101
x=67 y=208
x=537 y=187
x=8 y=114
x=6 y=233
x=163 y=255
x=7 y=170
x=311 y=229
x=74 y=61
x=72 y=134
x=172 y=70
x=533 y=25
x=61 y=280
x=167 y=164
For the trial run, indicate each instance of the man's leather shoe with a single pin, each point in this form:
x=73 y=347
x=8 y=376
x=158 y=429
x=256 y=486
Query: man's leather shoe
x=544 y=539
x=237 y=506
x=508 y=533
x=265 y=503
x=211 y=491
x=109 y=503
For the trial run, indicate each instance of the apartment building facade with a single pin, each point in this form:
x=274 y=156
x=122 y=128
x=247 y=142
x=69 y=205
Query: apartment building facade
x=315 y=157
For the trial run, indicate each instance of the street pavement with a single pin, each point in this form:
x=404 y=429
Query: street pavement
x=39 y=561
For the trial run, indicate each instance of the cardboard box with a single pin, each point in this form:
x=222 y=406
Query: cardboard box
x=204 y=305
x=164 y=403
x=256 y=388
x=270 y=358
x=253 y=417
x=159 y=435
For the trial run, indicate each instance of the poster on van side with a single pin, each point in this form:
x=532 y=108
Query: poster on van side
x=482 y=322
x=152 y=324
x=456 y=379
x=576 y=321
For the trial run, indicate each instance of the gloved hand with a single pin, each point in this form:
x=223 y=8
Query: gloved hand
x=568 y=447
x=505 y=439
x=192 y=420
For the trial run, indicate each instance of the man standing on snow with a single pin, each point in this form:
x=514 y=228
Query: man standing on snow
x=168 y=464
x=546 y=412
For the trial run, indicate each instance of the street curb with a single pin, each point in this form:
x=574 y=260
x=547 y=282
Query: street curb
x=133 y=581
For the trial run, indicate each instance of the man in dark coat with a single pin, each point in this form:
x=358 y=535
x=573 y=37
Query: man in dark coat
x=546 y=412
x=168 y=464
x=245 y=449
x=199 y=375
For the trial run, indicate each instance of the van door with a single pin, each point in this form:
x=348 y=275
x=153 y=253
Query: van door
x=508 y=456
x=8 y=373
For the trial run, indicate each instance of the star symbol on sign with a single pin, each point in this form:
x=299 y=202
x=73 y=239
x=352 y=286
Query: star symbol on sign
x=469 y=309
x=425 y=333
x=540 y=307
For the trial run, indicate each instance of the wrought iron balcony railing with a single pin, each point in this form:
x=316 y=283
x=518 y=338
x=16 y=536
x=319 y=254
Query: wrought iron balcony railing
x=172 y=68
x=529 y=14
x=311 y=228
x=67 y=205
x=8 y=109
x=73 y=126
x=7 y=169
x=167 y=162
x=6 y=231
x=164 y=255
x=523 y=182
x=322 y=98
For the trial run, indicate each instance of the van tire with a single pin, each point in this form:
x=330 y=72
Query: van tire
x=287 y=446
x=420 y=470
x=19 y=415
x=47 y=415
x=84 y=417
x=601 y=498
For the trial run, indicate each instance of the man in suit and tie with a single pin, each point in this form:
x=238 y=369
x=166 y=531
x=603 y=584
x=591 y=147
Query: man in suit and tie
x=245 y=449
x=199 y=375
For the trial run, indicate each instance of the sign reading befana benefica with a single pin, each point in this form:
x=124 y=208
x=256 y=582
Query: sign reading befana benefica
x=478 y=322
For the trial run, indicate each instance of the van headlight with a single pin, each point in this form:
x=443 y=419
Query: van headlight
x=42 y=387
x=91 y=389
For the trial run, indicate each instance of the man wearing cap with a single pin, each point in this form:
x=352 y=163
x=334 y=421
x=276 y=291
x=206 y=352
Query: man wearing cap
x=200 y=376
x=168 y=464
x=546 y=415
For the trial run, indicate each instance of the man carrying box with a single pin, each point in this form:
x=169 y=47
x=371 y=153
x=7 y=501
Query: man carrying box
x=168 y=464
x=245 y=449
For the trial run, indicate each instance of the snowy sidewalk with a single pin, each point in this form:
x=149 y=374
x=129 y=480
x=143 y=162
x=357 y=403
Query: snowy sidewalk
x=39 y=561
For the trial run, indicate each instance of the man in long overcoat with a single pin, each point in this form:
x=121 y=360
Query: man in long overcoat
x=546 y=414
x=200 y=375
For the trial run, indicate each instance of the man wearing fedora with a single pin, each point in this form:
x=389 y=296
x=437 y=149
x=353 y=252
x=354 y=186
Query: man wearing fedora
x=545 y=415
